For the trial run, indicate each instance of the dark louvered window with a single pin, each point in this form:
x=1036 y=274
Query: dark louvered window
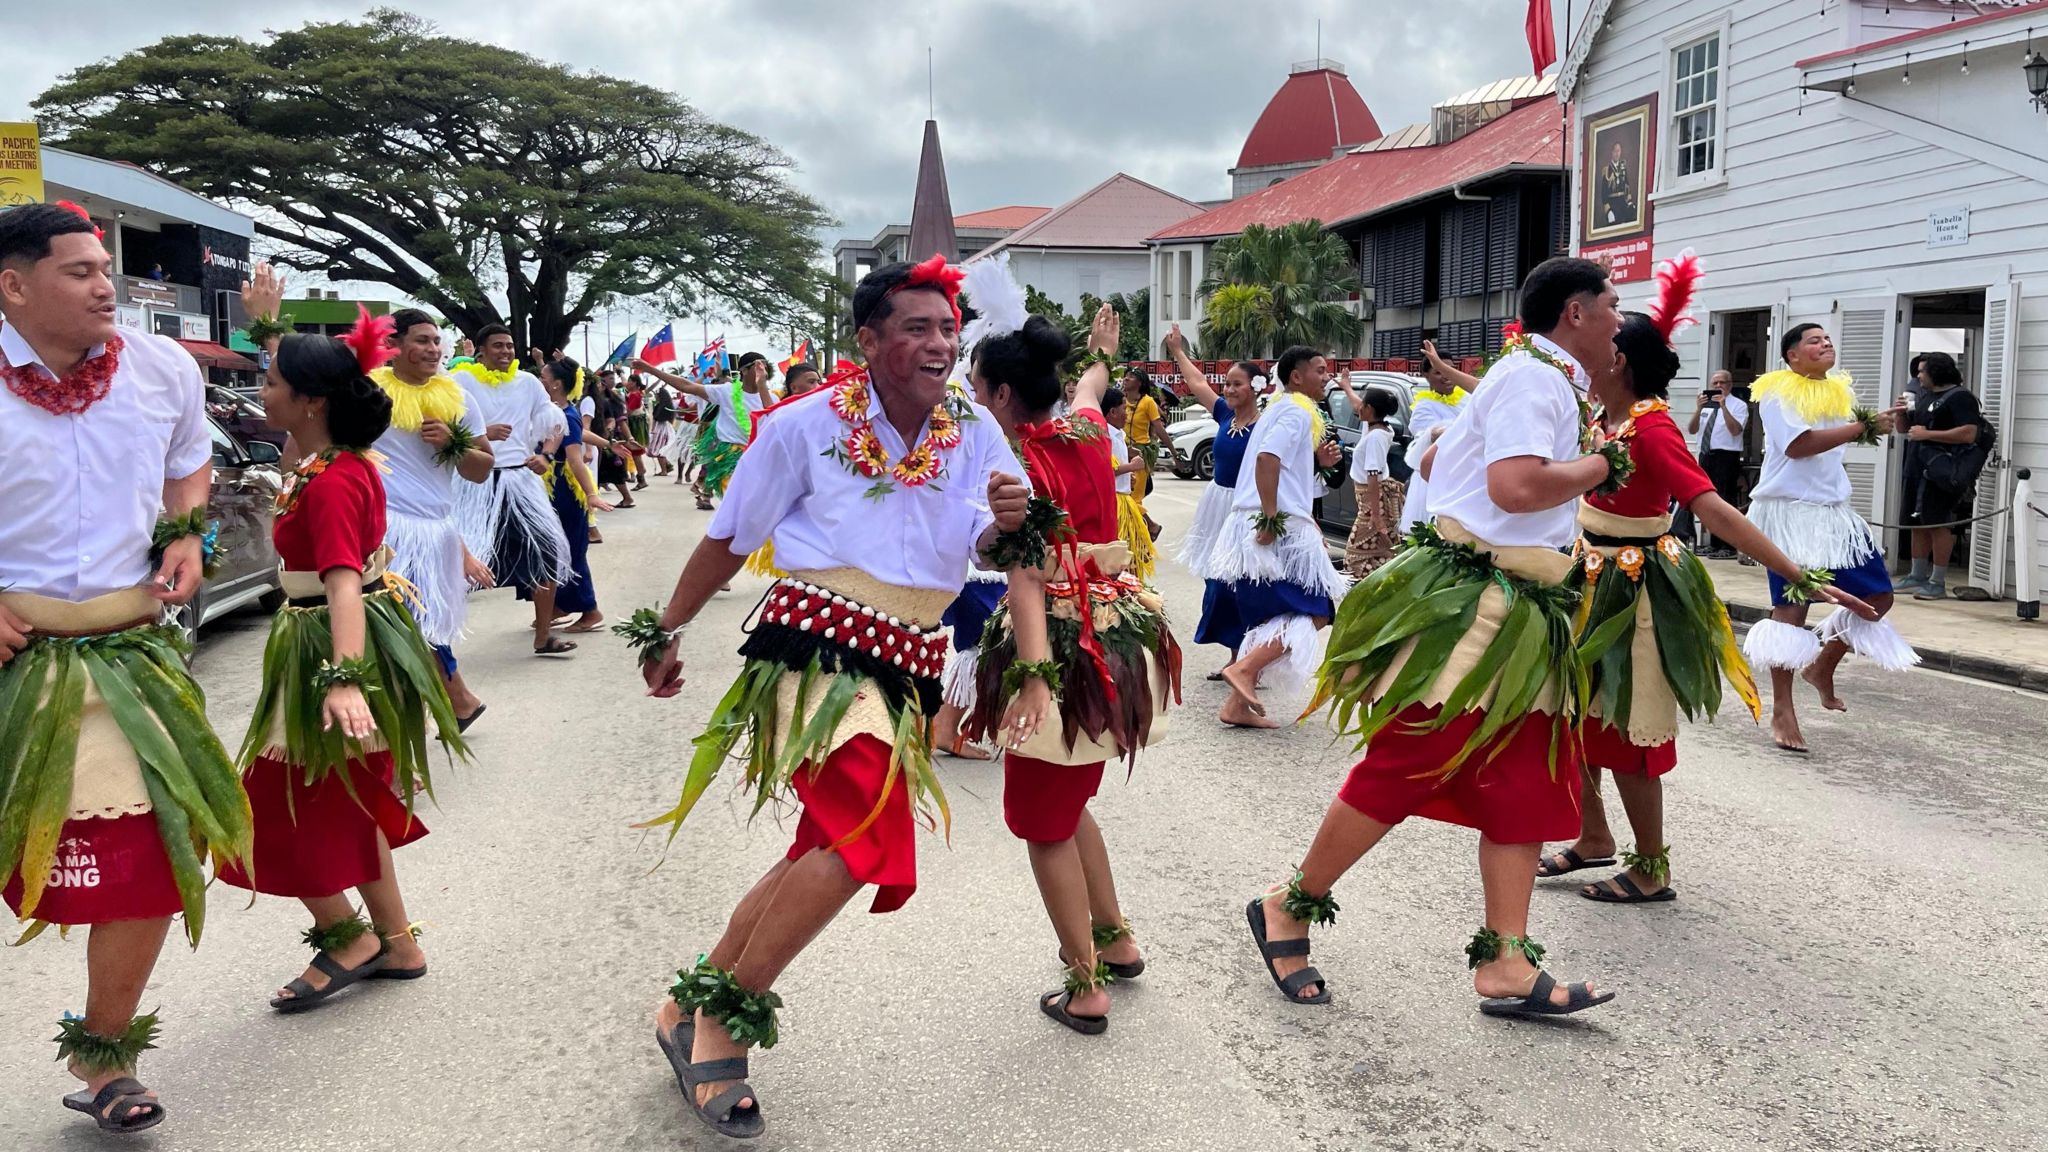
x=1503 y=224
x=1398 y=342
x=1463 y=226
x=1400 y=259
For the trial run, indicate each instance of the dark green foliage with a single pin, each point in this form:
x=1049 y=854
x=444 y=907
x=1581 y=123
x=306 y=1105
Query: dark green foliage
x=749 y=1017
x=97 y=1054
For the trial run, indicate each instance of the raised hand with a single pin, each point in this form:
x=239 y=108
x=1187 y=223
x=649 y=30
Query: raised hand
x=263 y=296
x=1176 y=344
x=1106 y=331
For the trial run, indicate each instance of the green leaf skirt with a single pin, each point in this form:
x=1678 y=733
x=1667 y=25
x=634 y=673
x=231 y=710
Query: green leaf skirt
x=193 y=788
x=405 y=693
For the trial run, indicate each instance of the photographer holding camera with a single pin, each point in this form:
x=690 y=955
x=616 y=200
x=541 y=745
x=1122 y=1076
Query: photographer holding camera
x=1725 y=413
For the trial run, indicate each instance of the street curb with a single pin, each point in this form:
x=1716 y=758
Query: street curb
x=2010 y=673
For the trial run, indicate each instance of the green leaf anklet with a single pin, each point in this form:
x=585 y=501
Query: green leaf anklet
x=1656 y=865
x=99 y=1054
x=1078 y=984
x=1306 y=908
x=1488 y=945
x=748 y=1017
x=336 y=936
x=1108 y=934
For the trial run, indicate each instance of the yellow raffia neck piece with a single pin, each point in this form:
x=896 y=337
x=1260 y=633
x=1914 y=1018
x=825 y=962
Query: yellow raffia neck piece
x=1813 y=402
x=412 y=404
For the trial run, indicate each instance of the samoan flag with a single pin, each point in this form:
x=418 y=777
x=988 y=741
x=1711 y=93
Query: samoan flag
x=661 y=349
x=623 y=352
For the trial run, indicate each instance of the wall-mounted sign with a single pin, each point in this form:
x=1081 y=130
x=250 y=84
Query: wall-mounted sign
x=1948 y=227
x=142 y=291
x=180 y=325
x=21 y=165
x=195 y=327
x=1618 y=160
x=129 y=317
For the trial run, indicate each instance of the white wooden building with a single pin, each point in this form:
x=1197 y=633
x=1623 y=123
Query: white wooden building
x=1876 y=166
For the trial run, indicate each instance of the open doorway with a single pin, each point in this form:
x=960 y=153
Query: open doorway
x=1745 y=346
x=1951 y=323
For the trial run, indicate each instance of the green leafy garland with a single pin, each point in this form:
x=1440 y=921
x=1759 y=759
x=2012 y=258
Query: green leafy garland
x=1017 y=673
x=1655 y=865
x=1870 y=433
x=643 y=632
x=1045 y=526
x=1080 y=368
x=1488 y=945
x=748 y=1017
x=98 y=1054
x=460 y=441
x=1306 y=908
x=355 y=670
x=171 y=529
x=262 y=328
x=1275 y=524
x=1621 y=467
x=1108 y=934
x=337 y=936
x=1808 y=586
x=1099 y=977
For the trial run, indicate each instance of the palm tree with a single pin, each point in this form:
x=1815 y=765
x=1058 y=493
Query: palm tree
x=1308 y=277
x=1237 y=322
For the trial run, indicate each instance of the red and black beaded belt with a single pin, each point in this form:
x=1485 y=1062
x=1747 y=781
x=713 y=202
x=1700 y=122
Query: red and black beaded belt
x=800 y=622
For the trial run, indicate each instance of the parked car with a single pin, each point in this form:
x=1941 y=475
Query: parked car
x=245 y=484
x=240 y=415
x=1194 y=432
x=1337 y=509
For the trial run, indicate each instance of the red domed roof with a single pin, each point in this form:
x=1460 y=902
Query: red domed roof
x=1312 y=115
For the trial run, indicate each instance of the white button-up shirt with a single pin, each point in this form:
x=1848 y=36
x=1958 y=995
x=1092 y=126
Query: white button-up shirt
x=816 y=509
x=1523 y=407
x=81 y=494
x=521 y=402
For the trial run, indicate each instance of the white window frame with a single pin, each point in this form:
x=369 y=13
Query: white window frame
x=1669 y=182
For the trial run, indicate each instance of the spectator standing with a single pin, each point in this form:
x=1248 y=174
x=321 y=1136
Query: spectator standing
x=1942 y=463
x=1720 y=421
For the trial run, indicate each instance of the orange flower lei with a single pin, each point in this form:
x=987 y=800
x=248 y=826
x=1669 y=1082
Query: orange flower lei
x=862 y=451
x=297 y=479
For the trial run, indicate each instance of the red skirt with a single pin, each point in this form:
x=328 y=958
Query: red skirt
x=1042 y=801
x=318 y=840
x=1511 y=799
x=1607 y=747
x=106 y=870
x=838 y=798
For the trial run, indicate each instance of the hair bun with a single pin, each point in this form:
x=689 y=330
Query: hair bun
x=1045 y=343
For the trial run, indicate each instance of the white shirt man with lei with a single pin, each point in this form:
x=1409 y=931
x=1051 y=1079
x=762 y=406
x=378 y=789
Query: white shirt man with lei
x=877 y=496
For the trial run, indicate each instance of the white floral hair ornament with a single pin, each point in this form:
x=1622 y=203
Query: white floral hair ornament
x=997 y=298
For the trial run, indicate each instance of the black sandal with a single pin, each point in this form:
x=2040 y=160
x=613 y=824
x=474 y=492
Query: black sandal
x=304 y=995
x=109 y=1107
x=1290 y=986
x=722 y=1112
x=1545 y=869
x=1579 y=997
x=556 y=646
x=462 y=723
x=1059 y=1005
x=1121 y=971
x=1629 y=894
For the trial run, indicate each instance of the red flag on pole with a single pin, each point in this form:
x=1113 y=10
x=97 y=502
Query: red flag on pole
x=1542 y=36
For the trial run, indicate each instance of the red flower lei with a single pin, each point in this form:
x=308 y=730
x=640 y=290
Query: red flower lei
x=87 y=385
x=862 y=451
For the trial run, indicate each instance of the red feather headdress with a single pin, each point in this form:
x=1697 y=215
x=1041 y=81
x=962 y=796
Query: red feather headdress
x=1678 y=282
x=98 y=233
x=936 y=273
x=370 y=340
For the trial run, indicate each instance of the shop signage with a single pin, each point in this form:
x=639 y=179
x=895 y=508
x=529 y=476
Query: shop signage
x=195 y=327
x=1949 y=227
x=129 y=316
x=21 y=164
x=142 y=291
x=213 y=257
x=180 y=325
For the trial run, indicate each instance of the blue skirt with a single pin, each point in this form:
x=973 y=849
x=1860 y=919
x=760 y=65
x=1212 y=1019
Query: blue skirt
x=578 y=595
x=1258 y=602
x=1870 y=578
x=969 y=613
x=1220 y=623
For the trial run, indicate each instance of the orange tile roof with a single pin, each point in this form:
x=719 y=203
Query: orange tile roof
x=1014 y=216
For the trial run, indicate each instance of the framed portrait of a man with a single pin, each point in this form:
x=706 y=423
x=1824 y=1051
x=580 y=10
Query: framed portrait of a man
x=1619 y=164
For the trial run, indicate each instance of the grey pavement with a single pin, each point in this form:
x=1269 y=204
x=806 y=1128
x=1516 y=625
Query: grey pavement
x=1847 y=966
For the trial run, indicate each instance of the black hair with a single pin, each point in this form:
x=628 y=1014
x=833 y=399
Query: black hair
x=1552 y=285
x=26 y=231
x=1112 y=400
x=406 y=319
x=484 y=334
x=1652 y=363
x=1028 y=360
x=1383 y=403
x=872 y=297
x=1252 y=369
x=1941 y=368
x=1791 y=340
x=323 y=368
x=1913 y=368
x=749 y=359
x=564 y=370
x=1292 y=359
x=799 y=368
x=1145 y=385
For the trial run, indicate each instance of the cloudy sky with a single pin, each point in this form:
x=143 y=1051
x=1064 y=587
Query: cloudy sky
x=1036 y=101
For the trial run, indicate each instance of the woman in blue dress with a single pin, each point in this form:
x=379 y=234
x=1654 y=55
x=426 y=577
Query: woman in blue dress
x=571 y=489
x=1236 y=409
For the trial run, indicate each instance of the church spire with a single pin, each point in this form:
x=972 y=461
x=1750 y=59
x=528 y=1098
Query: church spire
x=931 y=212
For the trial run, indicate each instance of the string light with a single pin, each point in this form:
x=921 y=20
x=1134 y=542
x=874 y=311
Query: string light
x=1908 y=77
x=1966 y=57
x=1851 y=89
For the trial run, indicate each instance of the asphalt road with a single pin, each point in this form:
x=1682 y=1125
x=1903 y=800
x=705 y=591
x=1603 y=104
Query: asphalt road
x=1847 y=965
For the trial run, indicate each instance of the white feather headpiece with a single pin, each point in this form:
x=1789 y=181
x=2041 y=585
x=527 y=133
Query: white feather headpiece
x=997 y=298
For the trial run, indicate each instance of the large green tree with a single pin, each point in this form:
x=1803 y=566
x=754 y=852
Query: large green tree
x=1306 y=276
x=454 y=171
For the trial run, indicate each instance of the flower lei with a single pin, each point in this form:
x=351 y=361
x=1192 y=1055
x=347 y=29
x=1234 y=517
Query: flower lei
x=85 y=386
x=298 y=479
x=862 y=453
x=475 y=370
